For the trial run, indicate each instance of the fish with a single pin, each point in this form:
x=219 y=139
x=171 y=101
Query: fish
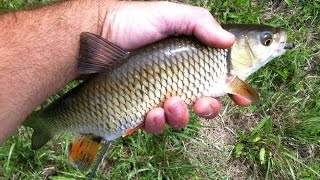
x=123 y=86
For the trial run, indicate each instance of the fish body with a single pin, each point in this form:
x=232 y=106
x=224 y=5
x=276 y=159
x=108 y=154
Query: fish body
x=113 y=102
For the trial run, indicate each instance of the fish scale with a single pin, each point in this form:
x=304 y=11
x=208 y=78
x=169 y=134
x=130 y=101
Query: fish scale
x=126 y=86
x=116 y=101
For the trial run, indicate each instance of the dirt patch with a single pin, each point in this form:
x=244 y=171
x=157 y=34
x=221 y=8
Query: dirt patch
x=215 y=144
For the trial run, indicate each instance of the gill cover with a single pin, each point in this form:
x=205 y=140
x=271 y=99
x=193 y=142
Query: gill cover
x=255 y=46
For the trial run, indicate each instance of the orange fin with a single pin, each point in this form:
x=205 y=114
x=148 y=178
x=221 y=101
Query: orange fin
x=243 y=89
x=130 y=131
x=83 y=150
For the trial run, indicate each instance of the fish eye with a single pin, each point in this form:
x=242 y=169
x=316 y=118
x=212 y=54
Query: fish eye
x=266 y=39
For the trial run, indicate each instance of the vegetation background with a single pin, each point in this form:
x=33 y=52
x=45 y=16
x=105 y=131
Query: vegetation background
x=279 y=138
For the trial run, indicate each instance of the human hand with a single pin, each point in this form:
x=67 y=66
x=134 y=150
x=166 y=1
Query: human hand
x=134 y=24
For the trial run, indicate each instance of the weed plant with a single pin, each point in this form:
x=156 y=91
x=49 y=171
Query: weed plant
x=279 y=138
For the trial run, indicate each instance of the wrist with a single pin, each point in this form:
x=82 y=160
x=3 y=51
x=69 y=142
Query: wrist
x=38 y=54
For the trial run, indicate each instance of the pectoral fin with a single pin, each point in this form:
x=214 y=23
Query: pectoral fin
x=239 y=87
x=83 y=150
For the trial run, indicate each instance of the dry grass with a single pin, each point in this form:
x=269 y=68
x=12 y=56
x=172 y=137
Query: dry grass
x=289 y=89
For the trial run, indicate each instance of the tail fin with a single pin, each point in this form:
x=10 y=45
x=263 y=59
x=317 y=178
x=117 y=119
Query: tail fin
x=40 y=134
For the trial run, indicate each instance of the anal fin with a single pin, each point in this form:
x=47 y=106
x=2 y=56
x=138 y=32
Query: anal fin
x=83 y=150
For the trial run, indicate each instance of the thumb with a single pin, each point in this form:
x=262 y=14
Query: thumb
x=197 y=21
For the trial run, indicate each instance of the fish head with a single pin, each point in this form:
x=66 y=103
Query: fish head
x=255 y=46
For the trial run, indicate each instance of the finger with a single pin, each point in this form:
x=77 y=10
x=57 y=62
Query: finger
x=240 y=100
x=207 y=107
x=155 y=121
x=197 y=21
x=177 y=112
x=153 y=21
x=209 y=31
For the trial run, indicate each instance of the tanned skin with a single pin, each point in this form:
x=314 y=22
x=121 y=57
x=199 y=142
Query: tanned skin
x=39 y=50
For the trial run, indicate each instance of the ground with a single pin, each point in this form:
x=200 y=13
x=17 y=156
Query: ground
x=279 y=138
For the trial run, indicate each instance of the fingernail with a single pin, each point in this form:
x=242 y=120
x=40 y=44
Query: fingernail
x=226 y=34
x=209 y=113
x=152 y=123
x=160 y=129
x=174 y=107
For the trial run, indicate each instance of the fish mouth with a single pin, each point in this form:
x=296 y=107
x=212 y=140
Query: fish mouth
x=283 y=45
x=289 y=46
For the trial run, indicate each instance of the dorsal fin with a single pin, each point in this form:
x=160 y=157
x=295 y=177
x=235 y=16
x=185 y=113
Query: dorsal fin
x=97 y=54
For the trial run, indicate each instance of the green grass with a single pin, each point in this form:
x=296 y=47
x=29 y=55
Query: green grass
x=13 y=5
x=279 y=138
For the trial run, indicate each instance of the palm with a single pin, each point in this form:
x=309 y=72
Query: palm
x=132 y=25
